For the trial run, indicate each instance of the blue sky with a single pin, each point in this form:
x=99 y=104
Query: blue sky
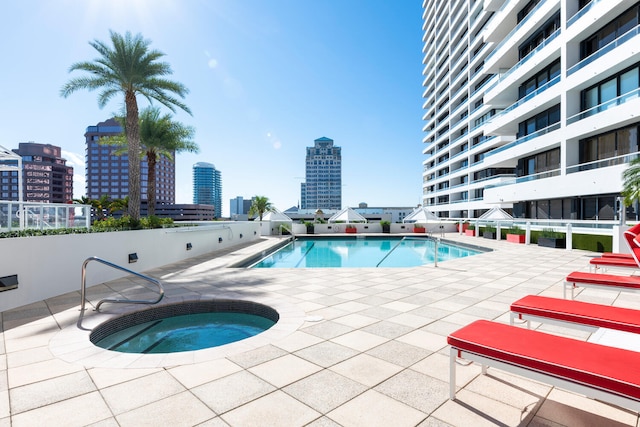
x=266 y=78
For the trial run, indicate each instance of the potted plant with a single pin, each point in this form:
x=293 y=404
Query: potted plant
x=419 y=228
x=350 y=229
x=551 y=239
x=515 y=234
x=470 y=231
x=489 y=232
x=309 y=226
x=386 y=226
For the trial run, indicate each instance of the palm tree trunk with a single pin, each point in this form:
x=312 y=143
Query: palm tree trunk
x=151 y=183
x=133 y=142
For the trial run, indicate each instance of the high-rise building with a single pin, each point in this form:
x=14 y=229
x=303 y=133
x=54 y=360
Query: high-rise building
x=529 y=105
x=45 y=176
x=108 y=173
x=239 y=207
x=322 y=188
x=207 y=186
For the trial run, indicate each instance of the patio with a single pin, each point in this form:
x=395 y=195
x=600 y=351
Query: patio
x=365 y=347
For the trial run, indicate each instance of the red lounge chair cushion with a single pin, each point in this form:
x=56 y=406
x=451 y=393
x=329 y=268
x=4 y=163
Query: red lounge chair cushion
x=614 y=261
x=604 y=279
x=607 y=368
x=597 y=315
x=616 y=255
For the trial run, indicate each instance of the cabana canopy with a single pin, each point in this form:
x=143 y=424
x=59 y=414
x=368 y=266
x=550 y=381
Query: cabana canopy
x=276 y=215
x=347 y=215
x=495 y=214
x=421 y=215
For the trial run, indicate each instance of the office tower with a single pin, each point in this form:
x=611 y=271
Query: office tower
x=45 y=176
x=108 y=174
x=322 y=188
x=207 y=186
x=239 y=207
x=529 y=105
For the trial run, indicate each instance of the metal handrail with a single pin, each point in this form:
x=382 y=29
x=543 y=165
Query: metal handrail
x=83 y=287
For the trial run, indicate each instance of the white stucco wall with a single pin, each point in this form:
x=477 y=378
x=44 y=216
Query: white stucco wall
x=48 y=266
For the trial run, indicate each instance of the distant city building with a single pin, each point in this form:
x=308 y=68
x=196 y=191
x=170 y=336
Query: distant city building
x=207 y=186
x=45 y=176
x=108 y=174
x=322 y=188
x=239 y=208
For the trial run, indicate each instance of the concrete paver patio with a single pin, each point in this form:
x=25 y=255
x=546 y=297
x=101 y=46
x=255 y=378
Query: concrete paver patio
x=359 y=347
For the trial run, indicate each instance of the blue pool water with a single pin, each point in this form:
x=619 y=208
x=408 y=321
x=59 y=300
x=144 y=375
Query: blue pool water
x=362 y=252
x=186 y=333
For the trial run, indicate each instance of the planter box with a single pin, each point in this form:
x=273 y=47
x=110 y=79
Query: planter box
x=386 y=228
x=350 y=230
x=470 y=233
x=551 y=242
x=419 y=230
x=515 y=238
x=465 y=226
x=489 y=234
x=310 y=230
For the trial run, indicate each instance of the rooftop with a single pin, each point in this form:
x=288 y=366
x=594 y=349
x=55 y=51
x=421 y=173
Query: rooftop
x=358 y=347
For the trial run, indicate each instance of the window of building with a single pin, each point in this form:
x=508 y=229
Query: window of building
x=539 y=121
x=609 y=32
x=609 y=144
x=540 y=162
x=522 y=13
x=610 y=89
x=546 y=30
x=540 y=79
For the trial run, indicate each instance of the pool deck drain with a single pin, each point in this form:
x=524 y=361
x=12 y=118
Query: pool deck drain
x=378 y=357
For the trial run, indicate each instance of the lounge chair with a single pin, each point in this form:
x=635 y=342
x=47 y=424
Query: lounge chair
x=582 y=315
x=631 y=260
x=600 y=280
x=600 y=372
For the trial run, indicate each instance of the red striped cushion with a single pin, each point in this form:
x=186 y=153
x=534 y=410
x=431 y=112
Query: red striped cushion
x=597 y=315
x=608 y=368
x=604 y=279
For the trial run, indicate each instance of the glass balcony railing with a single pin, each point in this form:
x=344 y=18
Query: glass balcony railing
x=597 y=164
x=604 y=106
x=508 y=37
x=581 y=12
x=526 y=178
x=524 y=139
x=605 y=49
x=530 y=55
x=531 y=95
x=486 y=178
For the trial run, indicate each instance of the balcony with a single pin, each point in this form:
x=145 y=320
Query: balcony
x=634 y=94
x=597 y=164
x=524 y=139
x=605 y=49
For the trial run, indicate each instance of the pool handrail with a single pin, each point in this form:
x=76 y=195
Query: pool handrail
x=83 y=287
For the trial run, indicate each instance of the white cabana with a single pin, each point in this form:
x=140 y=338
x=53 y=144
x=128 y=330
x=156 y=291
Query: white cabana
x=495 y=214
x=421 y=215
x=276 y=216
x=347 y=215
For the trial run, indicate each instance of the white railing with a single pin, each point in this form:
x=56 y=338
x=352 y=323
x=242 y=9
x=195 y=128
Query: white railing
x=33 y=215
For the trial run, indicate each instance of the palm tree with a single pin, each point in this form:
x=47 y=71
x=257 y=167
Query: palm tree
x=260 y=205
x=129 y=67
x=631 y=182
x=159 y=136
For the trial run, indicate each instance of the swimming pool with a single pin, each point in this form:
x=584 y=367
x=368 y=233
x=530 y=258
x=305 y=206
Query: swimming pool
x=362 y=252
